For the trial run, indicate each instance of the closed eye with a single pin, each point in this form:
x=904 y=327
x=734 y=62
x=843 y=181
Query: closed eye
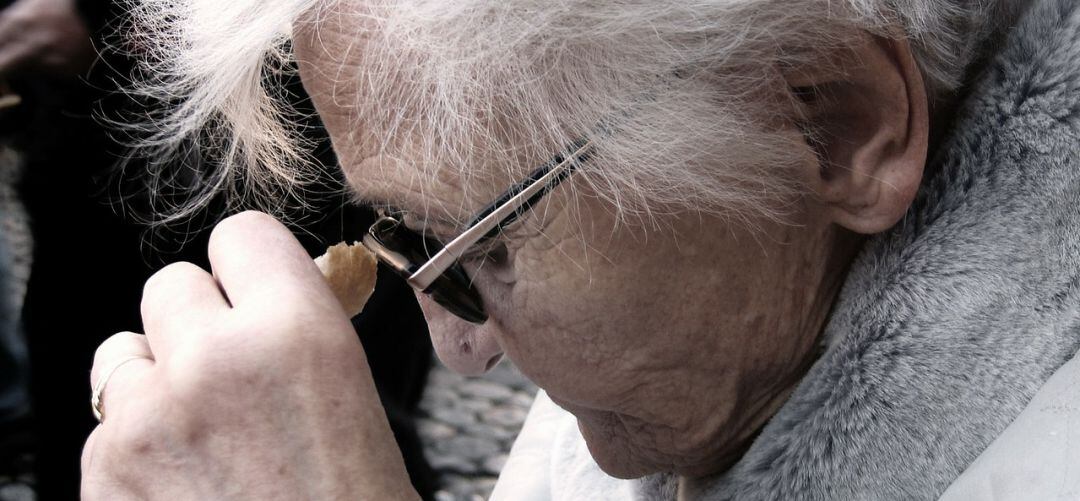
x=492 y=250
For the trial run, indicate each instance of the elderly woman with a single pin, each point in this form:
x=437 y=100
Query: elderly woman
x=774 y=249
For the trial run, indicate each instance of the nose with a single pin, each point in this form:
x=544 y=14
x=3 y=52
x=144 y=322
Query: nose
x=467 y=348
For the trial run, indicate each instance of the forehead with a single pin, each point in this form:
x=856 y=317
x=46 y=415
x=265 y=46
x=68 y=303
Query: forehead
x=396 y=144
x=431 y=107
x=449 y=199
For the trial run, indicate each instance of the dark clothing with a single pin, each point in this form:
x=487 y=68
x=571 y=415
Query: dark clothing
x=90 y=261
x=84 y=282
x=14 y=398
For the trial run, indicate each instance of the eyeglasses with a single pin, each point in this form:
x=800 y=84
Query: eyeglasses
x=434 y=269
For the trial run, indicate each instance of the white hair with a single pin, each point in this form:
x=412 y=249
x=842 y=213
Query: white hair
x=692 y=84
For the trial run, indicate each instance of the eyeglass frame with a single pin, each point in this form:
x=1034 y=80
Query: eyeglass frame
x=506 y=209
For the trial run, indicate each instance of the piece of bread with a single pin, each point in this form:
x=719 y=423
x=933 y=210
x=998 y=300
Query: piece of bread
x=350 y=271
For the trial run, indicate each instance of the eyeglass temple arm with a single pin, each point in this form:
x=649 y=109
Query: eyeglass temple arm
x=577 y=156
x=506 y=209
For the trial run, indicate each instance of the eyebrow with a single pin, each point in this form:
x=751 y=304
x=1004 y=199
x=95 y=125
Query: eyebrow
x=575 y=153
x=506 y=209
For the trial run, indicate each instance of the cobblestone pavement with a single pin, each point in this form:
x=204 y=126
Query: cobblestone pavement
x=469 y=425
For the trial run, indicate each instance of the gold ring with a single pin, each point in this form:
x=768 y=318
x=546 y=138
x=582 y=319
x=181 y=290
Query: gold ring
x=99 y=388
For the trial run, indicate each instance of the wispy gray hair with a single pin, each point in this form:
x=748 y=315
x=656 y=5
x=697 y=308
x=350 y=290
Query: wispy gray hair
x=695 y=85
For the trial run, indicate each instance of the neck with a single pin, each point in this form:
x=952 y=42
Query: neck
x=840 y=248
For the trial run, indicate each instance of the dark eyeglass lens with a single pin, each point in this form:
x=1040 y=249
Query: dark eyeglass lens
x=412 y=247
x=454 y=292
x=453 y=289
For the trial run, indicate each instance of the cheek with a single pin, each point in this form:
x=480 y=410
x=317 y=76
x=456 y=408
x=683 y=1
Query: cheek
x=574 y=325
x=547 y=319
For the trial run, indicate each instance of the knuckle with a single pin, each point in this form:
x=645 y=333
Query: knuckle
x=292 y=334
x=119 y=344
x=213 y=380
x=191 y=369
x=278 y=326
x=134 y=436
x=236 y=223
x=250 y=347
x=200 y=372
x=167 y=280
x=248 y=216
x=112 y=343
x=194 y=386
x=137 y=437
x=172 y=274
x=127 y=440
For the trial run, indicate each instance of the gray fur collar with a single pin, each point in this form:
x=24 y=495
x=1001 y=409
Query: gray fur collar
x=949 y=323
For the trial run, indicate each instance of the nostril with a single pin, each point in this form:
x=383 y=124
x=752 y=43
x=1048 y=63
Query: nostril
x=492 y=361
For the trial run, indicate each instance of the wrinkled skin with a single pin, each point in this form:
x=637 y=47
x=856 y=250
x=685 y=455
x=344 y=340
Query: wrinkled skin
x=671 y=346
x=671 y=349
x=672 y=342
x=250 y=383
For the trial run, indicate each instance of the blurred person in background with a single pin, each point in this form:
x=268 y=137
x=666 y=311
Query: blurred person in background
x=93 y=251
x=44 y=46
x=15 y=437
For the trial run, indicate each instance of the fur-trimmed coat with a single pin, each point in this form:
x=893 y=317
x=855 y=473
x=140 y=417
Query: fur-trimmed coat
x=938 y=375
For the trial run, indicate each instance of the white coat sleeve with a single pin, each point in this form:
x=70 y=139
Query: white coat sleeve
x=1038 y=455
x=549 y=462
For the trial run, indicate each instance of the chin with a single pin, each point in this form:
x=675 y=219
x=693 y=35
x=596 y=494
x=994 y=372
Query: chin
x=612 y=456
x=610 y=446
x=610 y=451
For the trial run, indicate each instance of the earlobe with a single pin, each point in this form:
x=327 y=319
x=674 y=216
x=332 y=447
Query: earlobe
x=867 y=121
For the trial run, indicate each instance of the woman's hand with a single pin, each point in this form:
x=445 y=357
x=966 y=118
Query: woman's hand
x=249 y=384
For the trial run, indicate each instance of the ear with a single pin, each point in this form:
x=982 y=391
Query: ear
x=866 y=117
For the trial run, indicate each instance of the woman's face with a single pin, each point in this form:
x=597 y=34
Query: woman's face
x=671 y=341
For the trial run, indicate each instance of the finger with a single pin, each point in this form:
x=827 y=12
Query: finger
x=259 y=262
x=119 y=364
x=86 y=461
x=175 y=299
x=97 y=483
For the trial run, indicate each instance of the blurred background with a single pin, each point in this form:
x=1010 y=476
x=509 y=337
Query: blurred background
x=75 y=251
